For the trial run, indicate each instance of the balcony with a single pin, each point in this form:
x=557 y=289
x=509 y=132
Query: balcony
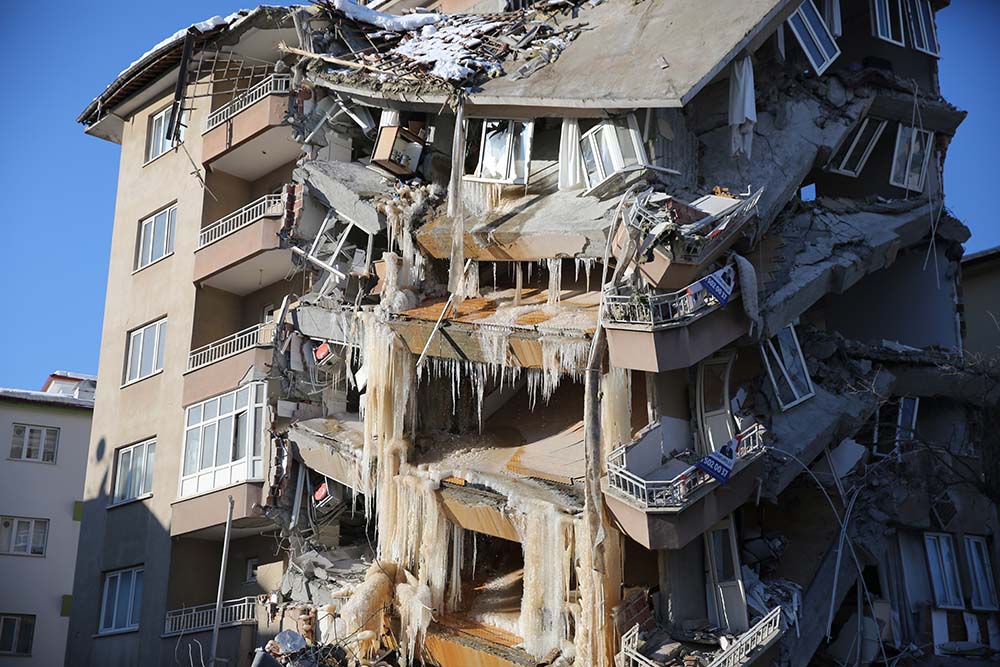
x=196 y=619
x=220 y=365
x=664 y=505
x=239 y=251
x=247 y=137
x=656 y=332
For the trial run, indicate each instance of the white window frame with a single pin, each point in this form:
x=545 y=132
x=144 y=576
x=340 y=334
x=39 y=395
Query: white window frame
x=47 y=434
x=18 y=621
x=907 y=433
x=597 y=135
x=147 y=233
x=132 y=484
x=881 y=9
x=866 y=150
x=251 y=573
x=940 y=573
x=511 y=177
x=802 y=12
x=921 y=19
x=33 y=523
x=116 y=577
x=984 y=588
x=769 y=353
x=155 y=329
x=198 y=478
x=914 y=132
x=156 y=140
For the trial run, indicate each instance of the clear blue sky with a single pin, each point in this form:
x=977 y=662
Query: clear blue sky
x=60 y=183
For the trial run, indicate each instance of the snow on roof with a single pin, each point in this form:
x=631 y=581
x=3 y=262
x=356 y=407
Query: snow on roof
x=385 y=21
x=45 y=397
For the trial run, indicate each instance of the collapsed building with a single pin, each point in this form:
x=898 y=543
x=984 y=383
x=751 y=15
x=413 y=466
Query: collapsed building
x=572 y=333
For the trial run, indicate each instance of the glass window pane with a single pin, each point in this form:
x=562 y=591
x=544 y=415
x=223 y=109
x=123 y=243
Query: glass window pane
x=792 y=361
x=921 y=145
x=259 y=392
x=224 y=448
x=123 y=599
x=159 y=235
x=806 y=41
x=147 y=476
x=146 y=243
x=496 y=137
x=22 y=536
x=590 y=161
x=519 y=159
x=723 y=555
x=928 y=17
x=240 y=436
x=226 y=403
x=51 y=445
x=624 y=136
x=211 y=409
x=161 y=344
x=135 y=476
x=110 y=595
x=882 y=17
x=34 y=443
x=258 y=429
x=916 y=34
x=154 y=141
x=17 y=442
x=135 y=350
x=194 y=415
x=171 y=228
x=242 y=396
x=40 y=538
x=604 y=137
x=713 y=387
x=819 y=27
x=136 y=600
x=6 y=533
x=207 y=447
x=7 y=633
x=124 y=468
x=25 y=635
x=148 y=349
x=191 y=451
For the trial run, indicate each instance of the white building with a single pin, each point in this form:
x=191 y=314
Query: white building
x=44 y=437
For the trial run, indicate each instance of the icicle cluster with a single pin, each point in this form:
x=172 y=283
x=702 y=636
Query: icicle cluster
x=616 y=408
x=555 y=281
x=547 y=562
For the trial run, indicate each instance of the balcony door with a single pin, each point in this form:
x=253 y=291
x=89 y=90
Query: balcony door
x=727 y=600
x=714 y=416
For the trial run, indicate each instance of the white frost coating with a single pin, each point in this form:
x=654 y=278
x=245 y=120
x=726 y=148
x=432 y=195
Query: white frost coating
x=555 y=281
x=616 y=408
x=544 y=539
x=385 y=21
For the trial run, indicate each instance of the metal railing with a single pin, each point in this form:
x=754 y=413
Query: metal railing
x=646 y=309
x=259 y=335
x=275 y=84
x=629 y=655
x=268 y=205
x=202 y=617
x=673 y=492
x=757 y=637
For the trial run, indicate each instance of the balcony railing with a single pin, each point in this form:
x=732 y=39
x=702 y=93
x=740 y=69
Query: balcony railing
x=268 y=205
x=675 y=492
x=754 y=639
x=275 y=84
x=629 y=655
x=649 y=310
x=202 y=617
x=259 y=335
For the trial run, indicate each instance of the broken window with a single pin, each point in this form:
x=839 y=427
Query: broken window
x=814 y=36
x=910 y=158
x=504 y=150
x=717 y=426
x=156 y=237
x=34 y=443
x=943 y=568
x=16 y=634
x=984 y=591
x=23 y=536
x=906 y=424
x=887 y=20
x=728 y=605
x=854 y=153
x=922 y=30
x=145 y=350
x=252 y=570
x=787 y=368
x=122 y=600
x=223 y=440
x=157 y=141
x=134 y=476
x=612 y=147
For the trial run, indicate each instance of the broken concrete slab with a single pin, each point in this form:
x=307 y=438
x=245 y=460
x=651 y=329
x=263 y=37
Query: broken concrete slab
x=348 y=188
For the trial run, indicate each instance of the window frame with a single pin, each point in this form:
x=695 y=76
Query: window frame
x=159 y=326
x=615 y=151
x=841 y=168
x=33 y=522
x=938 y=539
x=251 y=571
x=136 y=573
x=819 y=68
x=770 y=353
x=161 y=116
x=919 y=14
x=511 y=178
x=876 y=30
x=18 y=620
x=169 y=237
x=914 y=132
x=986 y=580
x=148 y=448
x=43 y=441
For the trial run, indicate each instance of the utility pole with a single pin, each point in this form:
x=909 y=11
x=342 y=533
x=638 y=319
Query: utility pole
x=222 y=582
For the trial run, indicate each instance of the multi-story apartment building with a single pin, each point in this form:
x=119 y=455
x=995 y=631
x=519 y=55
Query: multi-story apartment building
x=566 y=334
x=45 y=435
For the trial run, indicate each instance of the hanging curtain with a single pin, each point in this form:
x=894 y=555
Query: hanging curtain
x=570 y=161
x=742 y=107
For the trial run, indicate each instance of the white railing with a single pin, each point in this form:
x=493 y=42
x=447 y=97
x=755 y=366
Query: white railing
x=275 y=84
x=647 y=309
x=629 y=655
x=674 y=492
x=259 y=335
x=268 y=205
x=757 y=637
x=202 y=617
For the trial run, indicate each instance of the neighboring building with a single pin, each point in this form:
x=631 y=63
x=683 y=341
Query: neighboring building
x=528 y=306
x=981 y=299
x=45 y=436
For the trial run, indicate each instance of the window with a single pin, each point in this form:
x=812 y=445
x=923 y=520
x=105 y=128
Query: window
x=22 y=536
x=923 y=34
x=943 y=567
x=223 y=440
x=984 y=591
x=504 y=151
x=814 y=37
x=16 y=634
x=156 y=237
x=906 y=424
x=252 y=570
x=122 y=600
x=34 y=443
x=787 y=368
x=910 y=158
x=145 y=350
x=852 y=156
x=887 y=20
x=135 y=471
x=614 y=146
x=158 y=142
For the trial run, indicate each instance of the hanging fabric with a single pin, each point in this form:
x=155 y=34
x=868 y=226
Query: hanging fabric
x=570 y=160
x=742 y=107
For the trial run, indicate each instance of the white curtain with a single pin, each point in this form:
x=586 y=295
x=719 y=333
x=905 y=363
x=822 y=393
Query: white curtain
x=570 y=160
x=389 y=118
x=742 y=107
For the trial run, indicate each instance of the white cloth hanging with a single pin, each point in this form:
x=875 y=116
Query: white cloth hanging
x=570 y=159
x=831 y=16
x=389 y=118
x=742 y=107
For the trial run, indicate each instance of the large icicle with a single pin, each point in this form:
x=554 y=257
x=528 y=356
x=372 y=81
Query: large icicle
x=555 y=281
x=616 y=408
x=543 y=623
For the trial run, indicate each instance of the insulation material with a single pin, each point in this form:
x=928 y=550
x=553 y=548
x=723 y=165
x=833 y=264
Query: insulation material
x=616 y=408
x=544 y=538
x=570 y=158
x=748 y=289
x=742 y=107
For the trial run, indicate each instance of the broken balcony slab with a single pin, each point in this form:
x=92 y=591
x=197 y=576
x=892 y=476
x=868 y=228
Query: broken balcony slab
x=348 y=188
x=459 y=641
x=331 y=446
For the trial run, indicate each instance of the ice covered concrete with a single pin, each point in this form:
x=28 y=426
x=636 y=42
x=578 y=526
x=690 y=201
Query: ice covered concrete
x=332 y=446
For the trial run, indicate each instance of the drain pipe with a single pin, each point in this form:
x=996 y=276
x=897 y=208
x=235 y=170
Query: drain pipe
x=222 y=582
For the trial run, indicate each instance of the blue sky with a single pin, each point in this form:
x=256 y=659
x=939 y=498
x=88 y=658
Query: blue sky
x=60 y=183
